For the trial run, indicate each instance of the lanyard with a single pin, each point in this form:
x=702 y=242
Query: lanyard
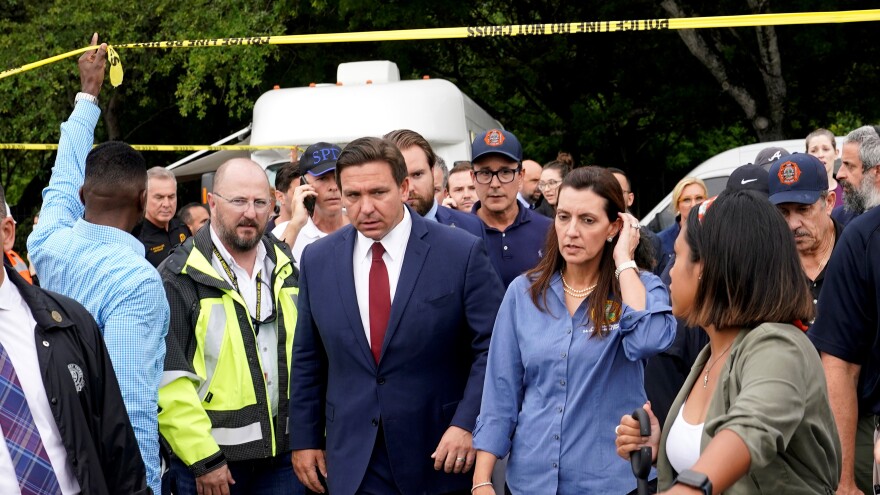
x=255 y=321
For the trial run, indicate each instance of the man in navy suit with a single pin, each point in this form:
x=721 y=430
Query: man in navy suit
x=420 y=163
x=395 y=317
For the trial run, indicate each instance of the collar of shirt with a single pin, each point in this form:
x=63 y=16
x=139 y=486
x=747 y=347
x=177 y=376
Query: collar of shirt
x=9 y=296
x=432 y=213
x=102 y=234
x=311 y=231
x=522 y=216
x=394 y=241
x=522 y=200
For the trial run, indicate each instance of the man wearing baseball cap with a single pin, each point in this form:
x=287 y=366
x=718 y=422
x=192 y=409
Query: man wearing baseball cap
x=316 y=211
x=798 y=186
x=514 y=234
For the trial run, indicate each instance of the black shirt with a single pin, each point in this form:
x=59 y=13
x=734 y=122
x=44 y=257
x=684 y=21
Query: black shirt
x=158 y=241
x=848 y=323
x=816 y=285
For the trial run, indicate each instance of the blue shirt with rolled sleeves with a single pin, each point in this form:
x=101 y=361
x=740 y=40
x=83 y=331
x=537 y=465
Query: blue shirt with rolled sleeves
x=554 y=391
x=520 y=246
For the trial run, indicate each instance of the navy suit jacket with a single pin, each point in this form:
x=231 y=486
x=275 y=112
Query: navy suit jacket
x=459 y=219
x=431 y=370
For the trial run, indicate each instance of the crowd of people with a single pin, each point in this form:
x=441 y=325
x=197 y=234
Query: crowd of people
x=376 y=322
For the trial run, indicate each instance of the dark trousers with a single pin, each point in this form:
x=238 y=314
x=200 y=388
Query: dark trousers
x=379 y=480
x=272 y=476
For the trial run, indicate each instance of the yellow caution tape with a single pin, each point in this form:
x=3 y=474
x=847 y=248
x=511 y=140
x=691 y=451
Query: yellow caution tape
x=158 y=147
x=484 y=31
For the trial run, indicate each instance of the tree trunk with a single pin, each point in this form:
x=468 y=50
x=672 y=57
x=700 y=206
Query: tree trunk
x=768 y=122
x=111 y=117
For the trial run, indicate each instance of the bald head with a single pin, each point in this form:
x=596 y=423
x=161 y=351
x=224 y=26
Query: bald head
x=531 y=177
x=237 y=169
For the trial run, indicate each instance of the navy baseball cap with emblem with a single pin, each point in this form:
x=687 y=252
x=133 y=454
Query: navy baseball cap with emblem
x=319 y=158
x=797 y=178
x=496 y=141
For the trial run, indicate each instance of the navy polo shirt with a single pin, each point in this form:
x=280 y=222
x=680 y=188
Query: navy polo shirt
x=848 y=323
x=520 y=246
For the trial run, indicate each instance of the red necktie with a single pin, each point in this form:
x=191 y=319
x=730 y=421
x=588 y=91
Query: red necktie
x=380 y=300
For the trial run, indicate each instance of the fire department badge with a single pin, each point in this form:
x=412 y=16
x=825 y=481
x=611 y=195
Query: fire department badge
x=789 y=173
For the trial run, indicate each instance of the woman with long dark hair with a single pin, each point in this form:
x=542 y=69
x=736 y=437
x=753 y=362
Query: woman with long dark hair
x=753 y=415
x=568 y=347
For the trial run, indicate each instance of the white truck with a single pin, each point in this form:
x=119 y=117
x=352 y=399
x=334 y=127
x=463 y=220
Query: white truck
x=368 y=99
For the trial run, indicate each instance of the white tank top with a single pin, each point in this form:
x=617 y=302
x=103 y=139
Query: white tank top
x=683 y=443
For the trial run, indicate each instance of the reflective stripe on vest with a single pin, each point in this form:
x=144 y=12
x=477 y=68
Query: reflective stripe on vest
x=237 y=436
x=19 y=265
x=211 y=341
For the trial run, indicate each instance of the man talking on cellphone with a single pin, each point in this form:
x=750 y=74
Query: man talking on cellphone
x=317 y=211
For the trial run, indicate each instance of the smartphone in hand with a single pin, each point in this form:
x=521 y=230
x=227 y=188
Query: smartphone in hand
x=308 y=201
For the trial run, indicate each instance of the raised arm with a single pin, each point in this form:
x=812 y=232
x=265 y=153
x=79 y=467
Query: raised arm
x=61 y=202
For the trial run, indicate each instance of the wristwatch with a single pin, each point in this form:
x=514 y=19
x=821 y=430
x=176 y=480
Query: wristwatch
x=626 y=265
x=85 y=97
x=696 y=480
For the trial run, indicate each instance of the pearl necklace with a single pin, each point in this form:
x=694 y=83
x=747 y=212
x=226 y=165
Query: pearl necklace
x=571 y=291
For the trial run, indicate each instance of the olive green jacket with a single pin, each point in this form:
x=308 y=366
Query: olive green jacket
x=772 y=393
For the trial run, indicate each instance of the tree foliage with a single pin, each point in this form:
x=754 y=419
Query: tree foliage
x=640 y=101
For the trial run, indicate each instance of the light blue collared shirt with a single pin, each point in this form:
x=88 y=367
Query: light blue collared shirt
x=104 y=269
x=432 y=213
x=554 y=391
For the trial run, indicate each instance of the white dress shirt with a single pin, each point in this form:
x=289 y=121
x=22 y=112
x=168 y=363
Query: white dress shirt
x=267 y=338
x=394 y=243
x=17 y=336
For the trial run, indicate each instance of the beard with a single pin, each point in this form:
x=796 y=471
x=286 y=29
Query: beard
x=420 y=204
x=235 y=242
x=870 y=196
x=853 y=200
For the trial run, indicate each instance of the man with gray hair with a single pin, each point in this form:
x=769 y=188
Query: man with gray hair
x=160 y=231
x=441 y=179
x=847 y=330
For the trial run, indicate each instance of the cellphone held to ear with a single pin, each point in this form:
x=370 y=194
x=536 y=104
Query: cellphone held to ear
x=308 y=201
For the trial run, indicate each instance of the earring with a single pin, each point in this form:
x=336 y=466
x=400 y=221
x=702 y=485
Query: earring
x=610 y=239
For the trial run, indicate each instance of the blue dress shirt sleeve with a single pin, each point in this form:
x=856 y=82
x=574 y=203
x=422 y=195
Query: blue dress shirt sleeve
x=503 y=386
x=652 y=330
x=61 y=204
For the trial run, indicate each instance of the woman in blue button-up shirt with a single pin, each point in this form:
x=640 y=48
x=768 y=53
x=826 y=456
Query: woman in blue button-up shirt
x=568 y=348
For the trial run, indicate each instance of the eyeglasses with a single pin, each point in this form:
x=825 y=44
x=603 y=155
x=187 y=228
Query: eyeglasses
x=241 y=204
x=505 y=175
x=550 y=184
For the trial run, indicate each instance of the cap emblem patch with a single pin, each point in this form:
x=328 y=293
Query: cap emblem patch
x=494 y=138
x=789 y=173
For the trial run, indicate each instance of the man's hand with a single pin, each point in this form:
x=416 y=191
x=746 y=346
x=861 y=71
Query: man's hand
x=306 y=464
x=216 y=482
x=91 y=68
x=450 y=203
x=455 y=453
x=298 y=212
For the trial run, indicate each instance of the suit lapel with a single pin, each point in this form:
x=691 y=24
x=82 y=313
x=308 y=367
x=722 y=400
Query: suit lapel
x=413 y=260
x=345 y=281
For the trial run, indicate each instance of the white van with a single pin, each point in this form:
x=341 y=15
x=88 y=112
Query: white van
x=368 y=99
x=715 y=172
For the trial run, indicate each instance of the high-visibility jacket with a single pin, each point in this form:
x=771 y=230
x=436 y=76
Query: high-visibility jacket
x=19 y=265
x=213 y=399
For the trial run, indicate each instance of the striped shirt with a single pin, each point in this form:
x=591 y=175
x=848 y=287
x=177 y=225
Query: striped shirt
x=104 y=269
